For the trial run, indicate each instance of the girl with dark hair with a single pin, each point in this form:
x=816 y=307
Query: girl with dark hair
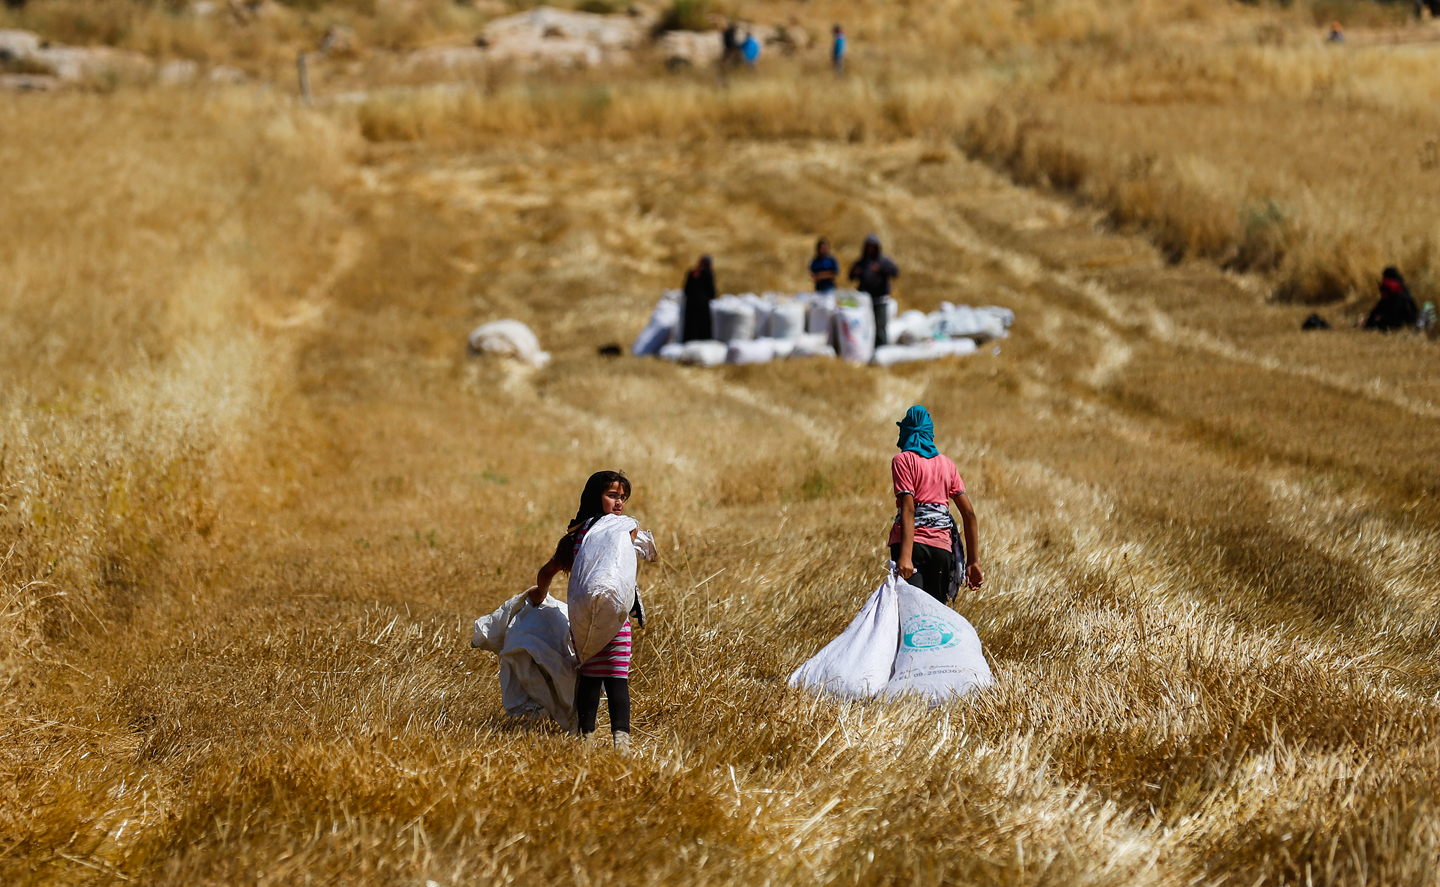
x=606 y=492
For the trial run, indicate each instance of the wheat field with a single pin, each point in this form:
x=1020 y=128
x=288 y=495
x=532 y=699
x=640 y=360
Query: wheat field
x=253 y=493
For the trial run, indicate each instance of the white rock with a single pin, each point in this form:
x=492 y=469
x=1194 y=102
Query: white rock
x=508 y=338
x=225 y=74
x=178 y=71
x=16 y=44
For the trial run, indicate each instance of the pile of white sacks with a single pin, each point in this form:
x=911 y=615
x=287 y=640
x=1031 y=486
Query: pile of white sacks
x=758 y=329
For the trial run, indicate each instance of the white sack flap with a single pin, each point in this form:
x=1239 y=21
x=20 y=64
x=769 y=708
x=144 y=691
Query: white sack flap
x=602 y=583
x=645 y=546
x=857 y=664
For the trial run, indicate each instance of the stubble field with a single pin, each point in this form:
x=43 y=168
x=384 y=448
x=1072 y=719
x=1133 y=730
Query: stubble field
x=255 y=493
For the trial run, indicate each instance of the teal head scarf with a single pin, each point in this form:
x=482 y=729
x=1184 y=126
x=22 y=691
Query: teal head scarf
x=917 y=433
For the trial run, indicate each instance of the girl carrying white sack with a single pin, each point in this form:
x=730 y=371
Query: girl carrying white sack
x=599 y=552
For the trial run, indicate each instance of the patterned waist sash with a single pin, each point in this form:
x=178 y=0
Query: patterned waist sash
x=936 y=516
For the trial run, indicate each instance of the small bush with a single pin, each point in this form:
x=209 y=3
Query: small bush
x=687 y=15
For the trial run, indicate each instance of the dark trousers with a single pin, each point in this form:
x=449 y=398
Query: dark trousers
x=587 y=702
x=934 y=569
x=882 y=319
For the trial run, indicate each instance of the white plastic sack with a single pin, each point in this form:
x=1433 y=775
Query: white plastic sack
x=902 y=643
x=812 y=345
x=783 y=347
x=602 y=584
x=537 y=665
x=673 y=351
x=1005 y=315
x=742 y=352
x=509 y=338
x=858 y=663
x=856 y=299
x=787 y=319
x=889 y=355
x=663 y=326
x=855 y=332
x=910 y=328
x=763 y=305
x=939 y=655
x=980 y=324
x=703 y=352
x=821 y=314
x=957 y=347
x=732 y=318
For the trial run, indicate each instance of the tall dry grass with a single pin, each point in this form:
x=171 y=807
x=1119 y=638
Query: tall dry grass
x=254 y=492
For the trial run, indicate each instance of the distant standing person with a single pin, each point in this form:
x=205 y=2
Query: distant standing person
x=730 y=46
x=924 y=542
x=837 y=50
x=1396 y=308
x=699 y=292
x=872 y=273
x=750 y=49
x=824 y=268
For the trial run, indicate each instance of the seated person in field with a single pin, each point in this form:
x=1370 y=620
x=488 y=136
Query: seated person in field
x=1396 y=308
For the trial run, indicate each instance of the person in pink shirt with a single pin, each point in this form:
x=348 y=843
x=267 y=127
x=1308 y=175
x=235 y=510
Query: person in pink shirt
x=924 y=541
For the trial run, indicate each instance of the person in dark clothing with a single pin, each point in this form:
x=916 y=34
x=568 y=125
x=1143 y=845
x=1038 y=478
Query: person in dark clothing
x=730 y=46
x=1396 y=308
x=872 y=273
x=824 y=268
x=699 y=292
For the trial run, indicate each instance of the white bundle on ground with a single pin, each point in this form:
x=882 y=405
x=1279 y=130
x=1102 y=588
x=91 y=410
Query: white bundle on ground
x=855 y=333
x=703 y=352
x=602 y=584
x=663 y=328
x=1004 y=315
x=787 y=319
x=910 y=328
x=783 y=347
x=537 y=664
x=673 y=351
x=732 y=318
x=812 y=345
x=902 y=643
x=741 y=351
x=508 y=338
x=980 y=324
x=889 y=355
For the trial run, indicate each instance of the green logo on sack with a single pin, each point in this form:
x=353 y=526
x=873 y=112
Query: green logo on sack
x=929 y=633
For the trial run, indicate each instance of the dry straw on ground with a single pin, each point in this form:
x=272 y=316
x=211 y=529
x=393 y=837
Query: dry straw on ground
x=254 y=493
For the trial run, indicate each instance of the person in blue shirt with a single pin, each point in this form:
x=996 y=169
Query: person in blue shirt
x=824 y=268
x=750 y=49
x=837 y=50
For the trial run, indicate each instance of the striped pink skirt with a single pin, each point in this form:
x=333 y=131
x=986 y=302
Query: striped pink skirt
x=614 y=660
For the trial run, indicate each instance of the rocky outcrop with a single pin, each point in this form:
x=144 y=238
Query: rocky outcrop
x=30 y=63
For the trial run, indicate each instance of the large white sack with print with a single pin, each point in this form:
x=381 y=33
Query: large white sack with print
x=857 y=664
x=939 y=653
x=537 y=667
x=602 y=583
x=855 y=332
x=938 y=656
